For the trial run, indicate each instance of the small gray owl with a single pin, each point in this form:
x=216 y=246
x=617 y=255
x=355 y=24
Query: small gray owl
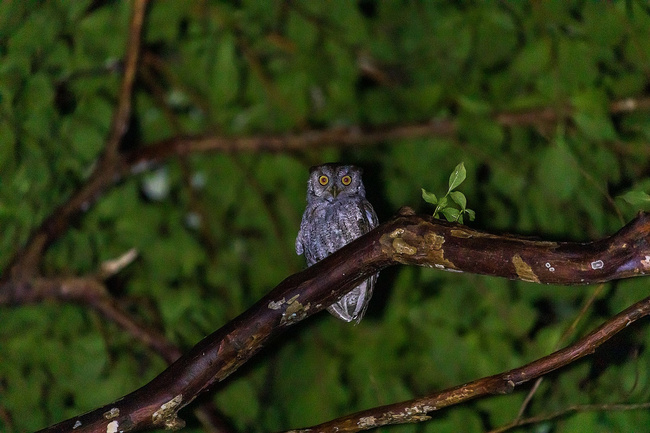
x=337 y=213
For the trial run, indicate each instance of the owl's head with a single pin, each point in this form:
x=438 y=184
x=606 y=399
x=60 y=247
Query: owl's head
x=334 y=181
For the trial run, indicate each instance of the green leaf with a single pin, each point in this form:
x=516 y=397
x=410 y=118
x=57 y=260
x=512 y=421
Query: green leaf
x=7 y=148
x=458 y=176
x=576 y=66
x=636 y=198
x=471 y=214
x=459 y=198
x=429 y=197
x=451 y=214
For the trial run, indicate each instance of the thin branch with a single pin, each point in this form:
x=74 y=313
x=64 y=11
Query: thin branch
x=417 y=410
x=122 y=113
x=607 y=407
x=89 y=292
x=344 y=136
x=25 y=262
x=407 y=239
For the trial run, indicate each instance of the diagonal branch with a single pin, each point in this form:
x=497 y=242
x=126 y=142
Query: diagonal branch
x=25 y=262
x=578 y=408
x=90 y=292
x=407 y=239
x=87 y=291
x=417 y=410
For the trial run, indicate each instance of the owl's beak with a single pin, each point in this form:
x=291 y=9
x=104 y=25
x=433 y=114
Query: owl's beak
x=335 y=191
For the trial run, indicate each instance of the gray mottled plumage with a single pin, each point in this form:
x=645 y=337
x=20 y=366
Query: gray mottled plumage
x=336 y=214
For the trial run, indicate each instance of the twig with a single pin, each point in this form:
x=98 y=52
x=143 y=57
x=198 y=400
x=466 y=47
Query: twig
x=89 y=292
x=122 y=113
x=571 y=409
x=112 y=267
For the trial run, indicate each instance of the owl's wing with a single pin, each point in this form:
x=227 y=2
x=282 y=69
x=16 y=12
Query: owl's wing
x=300 y=237
x=371 y=216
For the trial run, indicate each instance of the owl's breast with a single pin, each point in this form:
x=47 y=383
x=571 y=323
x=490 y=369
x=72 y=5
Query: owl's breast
x=332 y=225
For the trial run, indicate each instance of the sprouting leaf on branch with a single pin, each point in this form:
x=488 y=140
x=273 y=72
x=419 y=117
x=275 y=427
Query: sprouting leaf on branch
x=457 y=177
x=429 y=197
x=457 y=208
x=459 y=198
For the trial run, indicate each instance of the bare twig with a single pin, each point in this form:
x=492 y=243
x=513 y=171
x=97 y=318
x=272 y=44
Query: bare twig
x=607 y=407
x=90 y=292
x=122 y=113
x=112 y=267
x=344 y=136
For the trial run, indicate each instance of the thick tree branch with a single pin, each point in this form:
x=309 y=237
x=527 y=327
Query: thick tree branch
x=90 y=292
x=406 y=239
x=25 y=261
x=419 y=241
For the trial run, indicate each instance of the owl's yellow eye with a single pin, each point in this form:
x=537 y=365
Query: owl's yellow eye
x=323 y=180
x=346 y=180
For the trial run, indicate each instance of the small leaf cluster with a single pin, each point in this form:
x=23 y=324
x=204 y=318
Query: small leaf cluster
x=447 y=207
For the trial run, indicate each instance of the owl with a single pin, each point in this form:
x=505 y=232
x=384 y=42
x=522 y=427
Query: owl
x=337 y=213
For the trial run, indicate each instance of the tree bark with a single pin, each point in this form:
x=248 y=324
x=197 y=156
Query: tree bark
x=406 y=239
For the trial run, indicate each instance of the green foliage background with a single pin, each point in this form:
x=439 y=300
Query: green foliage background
x=215 y=232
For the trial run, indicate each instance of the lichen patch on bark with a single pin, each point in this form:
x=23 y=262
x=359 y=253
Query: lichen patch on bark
x=523 y=269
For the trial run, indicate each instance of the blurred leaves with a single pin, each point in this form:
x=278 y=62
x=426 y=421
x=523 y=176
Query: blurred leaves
x=215 y=232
